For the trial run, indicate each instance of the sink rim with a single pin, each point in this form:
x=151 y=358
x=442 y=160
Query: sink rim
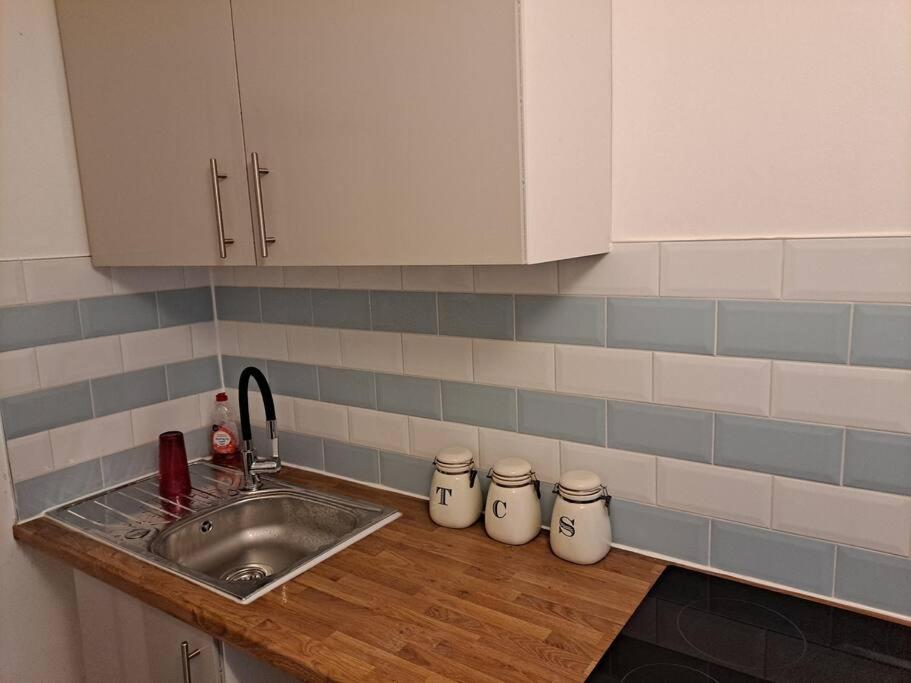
x=141 y=547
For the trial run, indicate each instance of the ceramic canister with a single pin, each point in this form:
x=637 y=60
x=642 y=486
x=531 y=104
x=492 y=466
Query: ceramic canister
x=513 y=511
x=455 y=490
x=580 y=529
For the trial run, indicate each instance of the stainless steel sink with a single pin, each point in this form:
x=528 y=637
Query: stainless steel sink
x=238 y=544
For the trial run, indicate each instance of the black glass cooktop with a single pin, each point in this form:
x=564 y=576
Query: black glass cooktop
x=694 y=628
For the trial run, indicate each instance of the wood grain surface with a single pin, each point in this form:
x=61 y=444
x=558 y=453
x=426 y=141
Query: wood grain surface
x=411 y=602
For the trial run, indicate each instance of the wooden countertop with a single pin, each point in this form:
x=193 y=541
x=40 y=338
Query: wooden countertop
x=411 y=602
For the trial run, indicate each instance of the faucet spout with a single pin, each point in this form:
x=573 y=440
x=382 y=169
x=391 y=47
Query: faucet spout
x=252 y=464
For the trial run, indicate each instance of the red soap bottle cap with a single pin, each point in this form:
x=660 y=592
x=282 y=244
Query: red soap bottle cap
x=221 y=396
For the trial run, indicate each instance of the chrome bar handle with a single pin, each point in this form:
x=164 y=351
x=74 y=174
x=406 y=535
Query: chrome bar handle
x=258 y=171
x=223 y=241
x=185 y=657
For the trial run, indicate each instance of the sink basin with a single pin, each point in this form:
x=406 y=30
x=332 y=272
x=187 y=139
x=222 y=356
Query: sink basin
x=238 y=544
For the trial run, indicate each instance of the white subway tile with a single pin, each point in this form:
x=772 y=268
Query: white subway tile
x=12 y=283
x=156 y=347
x=630 y=269
x=440 y=357
x=132 y=279
x=202 y=336
x=196 y=276
x=223 y=276
x=30 y=456
x=438 y=278
x=227 y=337
x=318 y=277
x=316 y=345
x=65 y=278
x=514 y=364
x=868 y=519
x=612 y=373
x=78 y=360
x=18 y=372
x=370 y=277
x=182 y=414
x=737 y=385
x=262 y=340
x=871 y=269
x=715 y=491
x=429 y=437
x=377 y=429
x=852 y=396
x=745 y=269
x=380 y=351
x=543 y=454
x=528 y=279
x=626 y=475
x=259 y=276
x=321 y=419
x=91 y=439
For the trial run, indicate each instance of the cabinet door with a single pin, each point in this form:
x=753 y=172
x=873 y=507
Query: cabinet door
x=390 y=129
x=153 y=94
x=125 y=640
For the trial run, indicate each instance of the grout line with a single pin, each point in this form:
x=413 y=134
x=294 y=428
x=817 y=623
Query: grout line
x=784 y=252
x=715 y=333
x=712 y=444
x=850 y=333
x=708 y=559
x=660 y=244
x=772 y=501
x=844 y=448
x=834 y=568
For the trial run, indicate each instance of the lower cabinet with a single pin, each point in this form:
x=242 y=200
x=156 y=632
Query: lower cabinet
x=127 y=641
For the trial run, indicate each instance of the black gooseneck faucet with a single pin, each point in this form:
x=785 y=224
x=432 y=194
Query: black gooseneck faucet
x=251 y=463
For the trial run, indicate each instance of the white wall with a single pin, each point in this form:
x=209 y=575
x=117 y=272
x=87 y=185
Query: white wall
x=40 y=203
x=40 y=216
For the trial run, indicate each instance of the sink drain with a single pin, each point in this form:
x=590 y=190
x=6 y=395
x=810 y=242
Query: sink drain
x=248 y=572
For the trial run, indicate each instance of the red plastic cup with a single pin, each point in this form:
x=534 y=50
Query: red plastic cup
x=173 y=471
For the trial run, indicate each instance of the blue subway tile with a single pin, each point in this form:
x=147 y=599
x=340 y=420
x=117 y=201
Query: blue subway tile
x=238 y=303
x=193 y=376
x=408 y=395
x=879 y=461
x=790 y=449
x=41 y=410
x=789 y=331
x=130 y=464
x=185 y=306
x=406 y=473
x=480 y=405
x=341 y=308
x=286 y=305
x=404 y=312
x=25 y=326
x=488 y=316
x=232 y=366
x=350 y=461
x=303 y=450
x=684 y=325
x=293 y=379
x=562 y=319
x=675 y=534
x=803 y=563
x=129 y=390
x=882 y=336
x=672 y=432
x=874 y=579
x=347 y=387
x=574 y=418
x=55 y=488
x=108 y=315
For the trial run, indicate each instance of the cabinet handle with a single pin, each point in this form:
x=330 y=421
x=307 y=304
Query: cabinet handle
x=223 y=241
x=185 y=657
x=259 y=171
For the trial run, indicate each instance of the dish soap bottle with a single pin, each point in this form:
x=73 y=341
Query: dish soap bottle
x=223 y=444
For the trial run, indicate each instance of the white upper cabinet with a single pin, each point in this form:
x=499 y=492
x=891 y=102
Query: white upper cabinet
x=761 y=118
x=153 y=94
x=393 y=131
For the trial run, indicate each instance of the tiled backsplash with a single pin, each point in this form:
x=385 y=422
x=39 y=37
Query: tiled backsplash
x=94 y=363
x=747 y=403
